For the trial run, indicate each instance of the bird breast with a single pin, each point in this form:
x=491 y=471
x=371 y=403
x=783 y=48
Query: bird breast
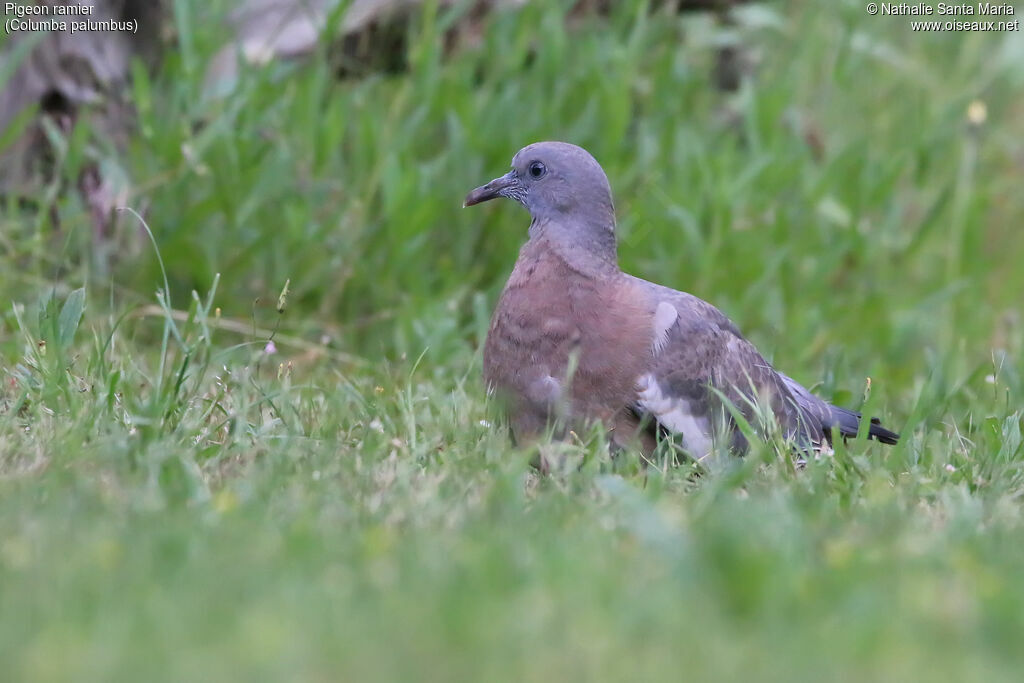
x=562 y=341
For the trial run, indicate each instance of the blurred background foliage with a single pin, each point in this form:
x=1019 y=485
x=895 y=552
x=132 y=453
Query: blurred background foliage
x=834 y=189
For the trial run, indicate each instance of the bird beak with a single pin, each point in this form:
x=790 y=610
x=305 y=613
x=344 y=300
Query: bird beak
x=493 y=189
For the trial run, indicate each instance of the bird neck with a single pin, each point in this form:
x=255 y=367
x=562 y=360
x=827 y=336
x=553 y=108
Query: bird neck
x=589 y=249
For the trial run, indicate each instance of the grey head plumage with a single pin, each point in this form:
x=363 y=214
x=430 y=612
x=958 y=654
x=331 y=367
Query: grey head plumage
x=566 y=192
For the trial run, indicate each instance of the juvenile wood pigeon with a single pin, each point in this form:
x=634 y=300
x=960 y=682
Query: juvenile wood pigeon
x=574 y=339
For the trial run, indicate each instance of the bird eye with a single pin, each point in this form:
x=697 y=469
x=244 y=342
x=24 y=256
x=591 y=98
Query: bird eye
x=537 y=169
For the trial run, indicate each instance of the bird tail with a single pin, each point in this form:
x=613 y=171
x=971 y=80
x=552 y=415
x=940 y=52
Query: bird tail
x=848 y=422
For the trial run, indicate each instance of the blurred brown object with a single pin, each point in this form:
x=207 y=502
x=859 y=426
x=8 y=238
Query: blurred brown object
x=369 y=36
x=59 y=78
x=63 y=75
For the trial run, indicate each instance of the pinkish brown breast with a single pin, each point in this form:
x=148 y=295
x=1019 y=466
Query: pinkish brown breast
x=566 y=344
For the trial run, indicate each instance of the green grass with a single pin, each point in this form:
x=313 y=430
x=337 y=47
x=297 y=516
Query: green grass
x=176 y=504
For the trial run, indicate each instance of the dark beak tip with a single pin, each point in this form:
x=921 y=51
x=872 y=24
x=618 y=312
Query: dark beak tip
x=491 y=190
x=480 y=194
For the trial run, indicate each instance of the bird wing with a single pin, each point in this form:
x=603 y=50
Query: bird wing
x=699 y=357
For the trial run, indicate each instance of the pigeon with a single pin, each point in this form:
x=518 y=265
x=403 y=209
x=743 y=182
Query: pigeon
x=574 y=340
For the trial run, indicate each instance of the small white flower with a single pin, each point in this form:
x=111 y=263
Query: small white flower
x=950 y=468
x=977 y=112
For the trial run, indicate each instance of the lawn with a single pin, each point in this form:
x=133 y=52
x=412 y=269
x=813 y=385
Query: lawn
x=243 y=435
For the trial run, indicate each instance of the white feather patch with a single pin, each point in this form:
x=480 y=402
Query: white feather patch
x=676 y=415
x=665 y=316
x=545 y=391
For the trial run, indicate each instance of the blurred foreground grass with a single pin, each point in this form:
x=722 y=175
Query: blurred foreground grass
x=176 y=503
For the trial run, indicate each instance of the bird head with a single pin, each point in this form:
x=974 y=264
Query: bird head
x=556 y=182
